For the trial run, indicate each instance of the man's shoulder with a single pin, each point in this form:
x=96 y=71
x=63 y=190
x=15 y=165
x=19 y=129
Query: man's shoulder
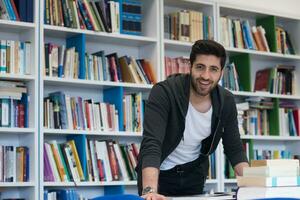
x=225 y=92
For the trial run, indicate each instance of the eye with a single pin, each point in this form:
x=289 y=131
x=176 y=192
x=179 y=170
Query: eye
x=214 y=69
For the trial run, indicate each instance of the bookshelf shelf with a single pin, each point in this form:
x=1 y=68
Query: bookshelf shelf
x=17 y=130
x=87 y=184
x=95 y=84
x=15 y=26
x=211 y=181
x=265 y=94
x=16 y=77
x=275 y=138
x=230 y=181
x=113 y=38
x=100 y=133
x=17 y=184
x=262 y=53
x=177 y=45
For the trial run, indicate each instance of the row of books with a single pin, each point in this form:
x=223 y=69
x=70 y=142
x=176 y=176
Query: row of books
x=230 y=78
x=266 y=178
x=289 y=118
x=177 y=65
x=253 y=117
x=16 y=10
x=15 y=57
x=283 y=42
x=103 y=161
x=188 y=26
x=133 y=112
x=65 y=63
x=14 y=104
x=239 y=34
x=14 y=163
x=280 y=79
x=107 y=16
x=63 y=194
x=64 y=112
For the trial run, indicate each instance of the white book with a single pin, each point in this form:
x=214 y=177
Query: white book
x=88 y=161
x=100 y=68
x=3 y=57
x=28 y=60
x=121 y=162
x=103 y=153
x=267 y=192
x=12 y=57
x=94 y=160
x=5 y=112
x=72 y=163
x=104 y=116
x=52 y=162
x=1 y=163
x=269 y=171
x=256 y=181
x=69 y=112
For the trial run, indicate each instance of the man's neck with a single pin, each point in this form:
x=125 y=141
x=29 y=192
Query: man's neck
x=199 y=102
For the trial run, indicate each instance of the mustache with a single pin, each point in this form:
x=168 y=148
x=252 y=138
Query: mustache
x=202 y=79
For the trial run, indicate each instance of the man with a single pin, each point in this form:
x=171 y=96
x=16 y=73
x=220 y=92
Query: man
x=185 y=118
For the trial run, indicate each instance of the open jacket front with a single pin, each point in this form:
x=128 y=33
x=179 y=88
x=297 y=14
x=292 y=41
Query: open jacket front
x=164 y=123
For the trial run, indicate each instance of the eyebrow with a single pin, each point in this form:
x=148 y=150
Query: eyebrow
x=201 y=64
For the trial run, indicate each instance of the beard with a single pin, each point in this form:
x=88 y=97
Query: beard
x=202 y=87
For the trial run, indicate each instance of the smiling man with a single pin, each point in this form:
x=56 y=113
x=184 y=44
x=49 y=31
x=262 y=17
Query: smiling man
x=185 y=118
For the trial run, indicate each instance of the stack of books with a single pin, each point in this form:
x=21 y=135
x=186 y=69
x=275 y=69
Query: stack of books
x=270 y=179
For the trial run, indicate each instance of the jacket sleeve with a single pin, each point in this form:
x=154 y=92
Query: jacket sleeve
x=232 y=143
x=155 y=123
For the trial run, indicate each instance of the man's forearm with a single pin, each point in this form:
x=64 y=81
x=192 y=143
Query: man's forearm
x=150 y=177
x=238 y=168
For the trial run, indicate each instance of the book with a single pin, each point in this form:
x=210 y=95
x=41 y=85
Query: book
x=243 y=181
x=268 y=192
x=277 y=162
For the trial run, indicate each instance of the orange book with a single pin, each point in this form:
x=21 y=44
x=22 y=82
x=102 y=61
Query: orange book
x=148 y=68
x=113 y=161
x=257 y=39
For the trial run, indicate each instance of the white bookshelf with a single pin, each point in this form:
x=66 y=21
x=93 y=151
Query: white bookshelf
x=151 y=45
x=94 y=84
x=24 y=31
x=88 y=184
x=99 y=133
x=260 y=60
x=144 y=46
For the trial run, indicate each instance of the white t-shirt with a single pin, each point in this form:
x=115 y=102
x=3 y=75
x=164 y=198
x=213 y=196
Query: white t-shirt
x=197 y=128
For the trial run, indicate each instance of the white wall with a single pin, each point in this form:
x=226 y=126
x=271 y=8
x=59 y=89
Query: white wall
x=278 y=7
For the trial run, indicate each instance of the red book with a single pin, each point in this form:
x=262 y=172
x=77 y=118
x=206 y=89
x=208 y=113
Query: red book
x=21 y=115
x=113 y=161
x=101 y=170
x=109 y=114
x=262 y=80
x=296 y=114
x=87 y=114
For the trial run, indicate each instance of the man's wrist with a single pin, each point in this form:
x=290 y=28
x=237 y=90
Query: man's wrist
x=148 y=190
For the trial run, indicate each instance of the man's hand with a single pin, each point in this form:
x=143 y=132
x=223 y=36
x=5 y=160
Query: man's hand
x=239 y=168
x=154 y=196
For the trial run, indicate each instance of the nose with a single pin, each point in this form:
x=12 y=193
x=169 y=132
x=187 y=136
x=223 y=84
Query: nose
x=205 y=74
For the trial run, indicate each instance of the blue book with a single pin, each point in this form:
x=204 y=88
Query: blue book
x=29 y=10
x=78 y=41
x=24 y=101
x=10 y=10
x=22 y=9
